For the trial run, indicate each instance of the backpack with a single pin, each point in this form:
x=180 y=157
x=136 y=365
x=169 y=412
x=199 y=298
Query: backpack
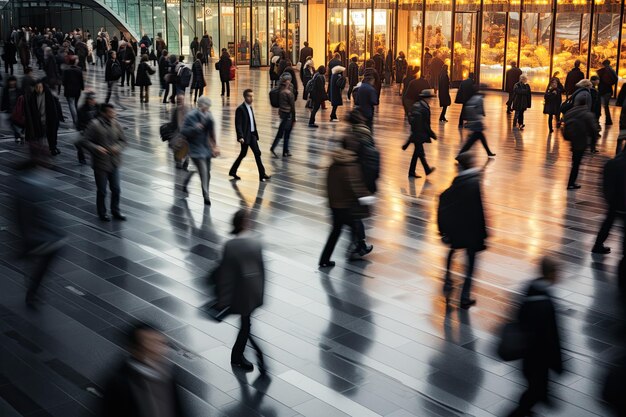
x=184 y=76
x=310 y=84
x=116 y=71
x=569 y=103
x=572 y=128
x=341 y=82
x=275 y=97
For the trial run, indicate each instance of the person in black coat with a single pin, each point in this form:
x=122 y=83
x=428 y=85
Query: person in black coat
x=247 y=136
x=127 y=57
x=223 y=66
x=163 y=67
x=573 y=77
x=10 y=94
x=242 y=284
x=73 y=85
x=198 y=83
x=444 y=92
x=512 y=77
x=42 y=124
x=412 y=92
x=614 y=189
x=318 y=93
x=584 y=128
x=144 y=70
x=9 y=56
x=522 y=100
x=461 y=221
x=379 y=62
x=421 y=132
x=335 y=92
x=464 y=93
x=537 y=318
x=401 y=70
x=608 y=80
x=145 y=384
x=353 y=75
x=411 y=74
x=552 y=100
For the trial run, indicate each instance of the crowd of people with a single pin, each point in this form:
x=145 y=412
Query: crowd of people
x=36 y=114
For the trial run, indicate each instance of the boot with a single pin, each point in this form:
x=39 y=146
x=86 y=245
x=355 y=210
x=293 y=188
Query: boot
x=360 y=250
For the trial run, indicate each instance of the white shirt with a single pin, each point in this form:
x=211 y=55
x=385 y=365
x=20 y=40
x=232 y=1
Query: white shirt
x=252 y=126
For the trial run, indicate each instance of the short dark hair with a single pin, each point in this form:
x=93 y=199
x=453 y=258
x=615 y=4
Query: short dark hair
x=239 y=221
x=549 y=266
x=306 y=43
x=104 y=107
x=246 y=92
x=199 y=55
x=321 y=69
x=134 y=341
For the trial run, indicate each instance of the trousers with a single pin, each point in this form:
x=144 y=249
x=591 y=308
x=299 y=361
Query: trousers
x=112 y=179
x=469 y=272
x=577 y=157
x=242 y=338
x=342 y=217
x=254 y=145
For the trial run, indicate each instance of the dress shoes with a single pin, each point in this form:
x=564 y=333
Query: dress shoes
x=326 y=264
x=104 y=218
x=119 y=216
x=235 y=177
x=468 y=303
x=273 y=153
x=243 y=364
x=573 y=187
x=601 y=249
x=286 y=154
x=491 y=155
x=265 y=178
x=414 y=175
x=313 y=125
x=430 y=171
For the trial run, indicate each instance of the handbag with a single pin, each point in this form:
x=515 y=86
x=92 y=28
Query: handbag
x=213 y=310
x=180 y=146
x=167 y=131
x=513 y=342
x=233 y=72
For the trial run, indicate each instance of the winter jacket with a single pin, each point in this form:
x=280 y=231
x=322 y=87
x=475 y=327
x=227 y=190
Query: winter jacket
x=334 y=90
x=475 y=113
x=353 y=74
x=573 y=77
x=552 y=101
x=401 y=68
x=421 y=131
x=345 y=181
x=198 y=137
x=144 y=70
x=224 y=65
x=522 y=98
x=198 y=75
x=73 y=82
x=109 y=135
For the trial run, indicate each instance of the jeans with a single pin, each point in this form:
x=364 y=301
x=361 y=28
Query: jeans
x=606 y=98
x=226 y=88
x=469 y=271
x=203 y=165
x=473 y=137
x=243 y=337
x=254 y=145
x=577 y=157
x=72 y=102
x=111 y=88
x=342 y=217
x=284 y=131
x=113 y=180
x=518 y=117
x=314 y=110
x=418 y=152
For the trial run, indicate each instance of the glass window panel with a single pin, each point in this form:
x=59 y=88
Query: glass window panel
x=605 y=39
x=622 y=69
x=188 y=26
x=243 y=32
x=132 y=14
x=570 y=42
x=359 y=34
x=227 y=29
x=337 y=24
x=173 y=26
x=492 y=60
x=383 y=29
x=535 y=49
x=296 y=27
x=211 y=25
x=158 y=15
x=438 y=35
x=410 y=30
x=277 y=25
x=259 y=31
x=464 y=46
x=146 y=20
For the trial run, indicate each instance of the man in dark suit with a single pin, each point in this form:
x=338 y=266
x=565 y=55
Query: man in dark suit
x=241 y=285
x=573 y=77
x=247 y=136
x=614 y=187
x=305 y=53
x=467 y=88
x=512 y=77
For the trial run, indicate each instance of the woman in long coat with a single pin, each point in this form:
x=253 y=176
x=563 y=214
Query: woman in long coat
x=223 y=66
x=401 y=68
x=198 y=83
x=9 y=56
x=552 y=100
x=444 y=92
x=144 y=70
x=335 y=91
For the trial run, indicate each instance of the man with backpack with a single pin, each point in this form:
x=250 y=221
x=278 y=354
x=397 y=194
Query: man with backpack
x=608 y=79
x=183 y=76
x=287 y=113
x=421 y=132
x=537 y=320
x=580 y=129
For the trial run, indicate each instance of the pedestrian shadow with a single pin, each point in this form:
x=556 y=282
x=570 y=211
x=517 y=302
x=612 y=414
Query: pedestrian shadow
x=251 y=396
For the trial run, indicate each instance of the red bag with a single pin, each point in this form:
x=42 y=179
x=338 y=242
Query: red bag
x=18 y=116
x=233 y=71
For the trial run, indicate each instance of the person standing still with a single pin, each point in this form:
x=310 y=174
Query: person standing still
x=444 y=93
x=104 y=138
x=144 y=70
x=608 y=79
x=223 y=66
x=336 y=85
x=198 y=83
x=512 y=77
x=353 y=75
x=318 y=94
x=286 y=112
x=537 y=318
x=522 y=100
x=461 y=220
x=247 y=136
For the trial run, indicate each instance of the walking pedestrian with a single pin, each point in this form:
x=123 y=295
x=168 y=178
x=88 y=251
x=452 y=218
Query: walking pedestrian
x=580 y=128
x=349 y=203
x=421 y=132
x=401 y=69
x=337 y=84
x=552 y=100
x=464 y=93
x=360 y=141
x=10 y=95
x=286 y=112
x=199 y=131
x=8 y=56
x=163 y=65
x=144 y=70
x=204 y=47
x=171 y=78
x=104 y=139
x=198 y=83
x=608 y=80
x=127 y=58
x=317 y=94
x=461 y=221
x=73 y=85
x=475 y=114
x=247 y=136
x=43 y=116
x=366 y=98
x=223 y=66
x=512 y=77
x=86 y=113
x=353 y=75
x=537 y=318
x=444 y=93
x=412 y=92
x=112 y=73
x=522 y=100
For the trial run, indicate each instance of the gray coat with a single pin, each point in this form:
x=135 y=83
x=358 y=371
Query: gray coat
x=110 y=136
x=242 y=274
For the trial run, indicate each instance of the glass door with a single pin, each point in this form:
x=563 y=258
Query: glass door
x=359 y=38
x=227 y=30
x=242 y=32
x=464 y=45
x=259 y=34
x=295 y=31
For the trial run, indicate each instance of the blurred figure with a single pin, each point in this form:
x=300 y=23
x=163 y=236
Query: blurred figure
x=359 y=140
x=42 y=238
x=180 y=148
x=461 y=220
x=336 y=85
x=73 y=85
x=317 y=93
x=43 y=116
x=286 y=113
x=522 y=100
x=198 y=83
x=464 y=93
x=242 y=285
x=474 y=114
x=86 y=113
x=608 y=80
x=366 y=98
x=199 y=130
x=444 y=93
x=144 y=385
x=223 y=66
x=349 y=203
x=614 y=188
x=10 y=94
x=537 y=318
x=105 y=139
x=401 y=70
x=572 y=78
x=421 y=132
x=580 y=129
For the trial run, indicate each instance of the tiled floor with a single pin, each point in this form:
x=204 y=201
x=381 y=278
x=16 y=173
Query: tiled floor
x=369 y=338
